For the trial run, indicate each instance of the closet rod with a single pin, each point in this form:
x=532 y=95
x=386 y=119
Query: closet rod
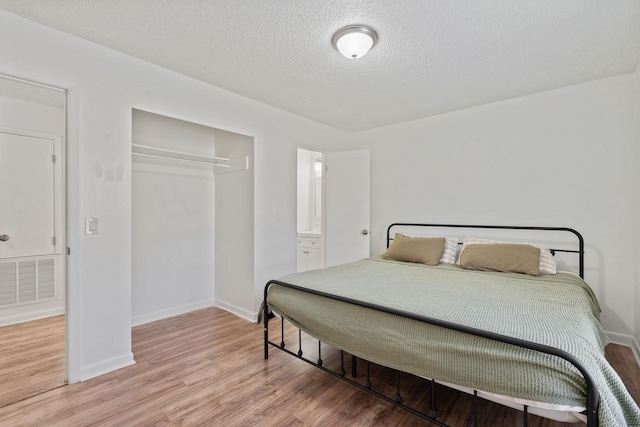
x=163 y=152
x=159 y=156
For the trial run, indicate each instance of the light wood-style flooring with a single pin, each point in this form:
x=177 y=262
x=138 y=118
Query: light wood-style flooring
x=206 y=368
x=32 y=358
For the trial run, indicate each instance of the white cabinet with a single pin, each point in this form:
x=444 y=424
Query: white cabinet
x=309 y=253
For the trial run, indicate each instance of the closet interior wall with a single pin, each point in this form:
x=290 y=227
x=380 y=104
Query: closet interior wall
x=172 y=224
x=234 y=226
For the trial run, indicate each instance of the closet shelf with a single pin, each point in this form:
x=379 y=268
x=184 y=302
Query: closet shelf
x=220 y=164
x=162 y=153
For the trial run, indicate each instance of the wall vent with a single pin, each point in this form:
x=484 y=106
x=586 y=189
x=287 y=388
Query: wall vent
x=27 y=280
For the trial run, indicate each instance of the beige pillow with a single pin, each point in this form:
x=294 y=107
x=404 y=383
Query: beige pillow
x=504 y=257
x=547 y=263
x=425 y=250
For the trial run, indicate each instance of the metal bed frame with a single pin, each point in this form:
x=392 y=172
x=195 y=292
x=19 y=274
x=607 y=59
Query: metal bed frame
x=592 y=400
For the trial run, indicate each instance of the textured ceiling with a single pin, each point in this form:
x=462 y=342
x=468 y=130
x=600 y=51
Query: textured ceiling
x=433 y=56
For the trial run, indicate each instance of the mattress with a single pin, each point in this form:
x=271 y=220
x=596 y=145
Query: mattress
x=558 y=310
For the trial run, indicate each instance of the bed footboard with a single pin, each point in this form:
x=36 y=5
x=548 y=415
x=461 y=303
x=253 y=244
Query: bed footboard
x=592 y=401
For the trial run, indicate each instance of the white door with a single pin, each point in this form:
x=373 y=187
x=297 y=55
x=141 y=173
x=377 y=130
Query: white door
x=348 y=202
x=26 y=196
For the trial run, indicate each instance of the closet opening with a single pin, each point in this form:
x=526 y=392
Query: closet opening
x=192 y=218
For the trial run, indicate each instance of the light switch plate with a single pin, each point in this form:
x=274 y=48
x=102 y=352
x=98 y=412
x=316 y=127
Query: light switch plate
x=91 y=226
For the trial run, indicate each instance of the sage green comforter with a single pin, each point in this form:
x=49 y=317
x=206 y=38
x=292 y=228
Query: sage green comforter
x=556 y=310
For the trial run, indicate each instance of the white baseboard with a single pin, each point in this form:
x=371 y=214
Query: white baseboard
x=628 y=341
x=33 y=315
x=238 y=311
x=622 y=339
x=636 y=350
x=106 y=366
x=169 y=312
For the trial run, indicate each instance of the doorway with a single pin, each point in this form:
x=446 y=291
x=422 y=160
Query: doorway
x=32 y=238
x=310 y=210
x=333 y=207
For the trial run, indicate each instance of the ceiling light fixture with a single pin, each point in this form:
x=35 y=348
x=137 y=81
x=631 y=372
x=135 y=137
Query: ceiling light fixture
x=354 y=41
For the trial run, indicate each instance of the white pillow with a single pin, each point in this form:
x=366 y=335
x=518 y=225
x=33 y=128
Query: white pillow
x=450 y=251
x=547 y=263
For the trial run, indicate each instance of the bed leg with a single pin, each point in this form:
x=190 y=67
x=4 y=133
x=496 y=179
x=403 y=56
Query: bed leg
x=341 y=363
x=433 y=412
x=266 y=346
x=282 y=332
x=354 y=366
x=526 y=416
x=367 y=383
x=398 y=398
x=299 y=343
x=593 y=402
x=319 y=353
x=475 y=408
x=265 y=317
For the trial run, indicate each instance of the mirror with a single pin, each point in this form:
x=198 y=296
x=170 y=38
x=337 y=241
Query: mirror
x=309 y=194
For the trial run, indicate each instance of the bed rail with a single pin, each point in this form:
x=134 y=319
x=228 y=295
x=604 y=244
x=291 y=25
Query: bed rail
x=592 y=396
x=592 y=390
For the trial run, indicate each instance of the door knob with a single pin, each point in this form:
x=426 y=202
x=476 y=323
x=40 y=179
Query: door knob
x=365 y=232
x=4 y=238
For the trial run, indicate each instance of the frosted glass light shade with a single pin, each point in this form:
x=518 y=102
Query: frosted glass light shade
x=354 y=41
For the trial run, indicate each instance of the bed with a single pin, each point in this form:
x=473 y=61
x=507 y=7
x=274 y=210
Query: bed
x=527 y=340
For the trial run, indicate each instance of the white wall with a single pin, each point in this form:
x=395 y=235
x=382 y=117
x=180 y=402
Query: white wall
x=561 y=158
x=172 y=235
x=104 y=86
x=33 y=116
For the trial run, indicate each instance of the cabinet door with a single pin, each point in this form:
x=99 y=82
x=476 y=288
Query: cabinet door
x=314 y=259
x=302 y=260
x=309 y=259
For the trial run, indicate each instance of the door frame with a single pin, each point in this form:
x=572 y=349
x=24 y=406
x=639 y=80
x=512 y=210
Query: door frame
x=61 y=195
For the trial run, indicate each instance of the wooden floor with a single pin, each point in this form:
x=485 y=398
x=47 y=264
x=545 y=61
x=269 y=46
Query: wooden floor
x=32 y=358
x=206 y=368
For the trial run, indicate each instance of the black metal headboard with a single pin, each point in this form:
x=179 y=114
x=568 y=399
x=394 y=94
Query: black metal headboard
x=579 y=251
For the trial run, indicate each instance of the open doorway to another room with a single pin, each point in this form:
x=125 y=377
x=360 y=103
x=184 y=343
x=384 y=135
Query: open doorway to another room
x=32 y=238
x=310 y=208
